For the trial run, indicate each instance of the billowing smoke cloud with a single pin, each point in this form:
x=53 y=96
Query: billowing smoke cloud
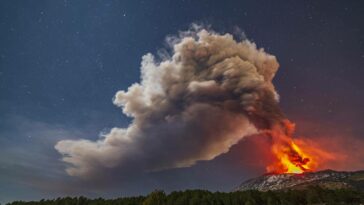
x=191 y=106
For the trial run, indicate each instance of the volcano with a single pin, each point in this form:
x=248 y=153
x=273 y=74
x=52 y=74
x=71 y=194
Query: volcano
x=328 y=179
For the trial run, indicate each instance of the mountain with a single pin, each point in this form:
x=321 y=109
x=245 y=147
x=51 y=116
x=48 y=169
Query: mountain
x=326 y=179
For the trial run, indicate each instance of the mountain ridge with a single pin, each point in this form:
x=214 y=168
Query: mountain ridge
x=328 y=178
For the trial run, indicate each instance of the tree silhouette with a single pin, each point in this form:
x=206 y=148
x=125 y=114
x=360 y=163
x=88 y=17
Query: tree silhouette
x=311 y=195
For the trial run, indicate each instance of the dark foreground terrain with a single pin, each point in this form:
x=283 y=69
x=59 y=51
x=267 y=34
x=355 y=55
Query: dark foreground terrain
x=310 y=195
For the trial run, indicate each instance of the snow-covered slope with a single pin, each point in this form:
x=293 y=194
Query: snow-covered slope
x=326 y=179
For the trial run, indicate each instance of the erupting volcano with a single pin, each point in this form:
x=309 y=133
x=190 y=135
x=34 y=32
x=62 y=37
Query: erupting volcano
x=291 y=158
x=195 y=103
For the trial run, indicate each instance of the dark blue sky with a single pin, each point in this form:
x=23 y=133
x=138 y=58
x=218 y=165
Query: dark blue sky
x=61 y=62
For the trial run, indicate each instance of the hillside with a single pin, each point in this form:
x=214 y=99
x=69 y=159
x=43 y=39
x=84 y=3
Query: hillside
x=328 y=179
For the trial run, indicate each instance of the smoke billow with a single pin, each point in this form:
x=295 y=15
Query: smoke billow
x=192 y=106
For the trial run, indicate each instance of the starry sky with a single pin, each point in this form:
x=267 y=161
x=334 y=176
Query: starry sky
x=61 y=62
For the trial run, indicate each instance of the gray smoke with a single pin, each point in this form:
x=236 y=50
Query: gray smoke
x=191 y=106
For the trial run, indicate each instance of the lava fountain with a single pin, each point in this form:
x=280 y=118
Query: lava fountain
x=290 y=157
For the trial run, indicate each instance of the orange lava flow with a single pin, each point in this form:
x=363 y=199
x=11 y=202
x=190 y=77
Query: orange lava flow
x=290 y=158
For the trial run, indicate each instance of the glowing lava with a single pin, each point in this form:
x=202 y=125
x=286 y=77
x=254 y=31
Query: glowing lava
x=290 y=158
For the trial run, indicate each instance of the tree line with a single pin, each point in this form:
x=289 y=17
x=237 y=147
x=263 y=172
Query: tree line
x=312 y=195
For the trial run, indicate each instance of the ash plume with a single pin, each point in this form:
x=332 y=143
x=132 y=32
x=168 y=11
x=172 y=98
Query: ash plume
x=194 y=105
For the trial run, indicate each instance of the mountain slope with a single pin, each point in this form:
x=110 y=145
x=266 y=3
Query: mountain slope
x=326 y=179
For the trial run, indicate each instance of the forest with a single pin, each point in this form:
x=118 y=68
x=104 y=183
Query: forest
x=311 y=195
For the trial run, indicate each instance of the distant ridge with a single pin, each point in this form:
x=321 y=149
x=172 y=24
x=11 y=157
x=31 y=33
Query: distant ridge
x=329 y=179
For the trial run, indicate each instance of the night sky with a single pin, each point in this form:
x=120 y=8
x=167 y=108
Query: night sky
x=61 y=63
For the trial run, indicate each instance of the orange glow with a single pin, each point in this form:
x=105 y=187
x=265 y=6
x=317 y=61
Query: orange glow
x=290 y=157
